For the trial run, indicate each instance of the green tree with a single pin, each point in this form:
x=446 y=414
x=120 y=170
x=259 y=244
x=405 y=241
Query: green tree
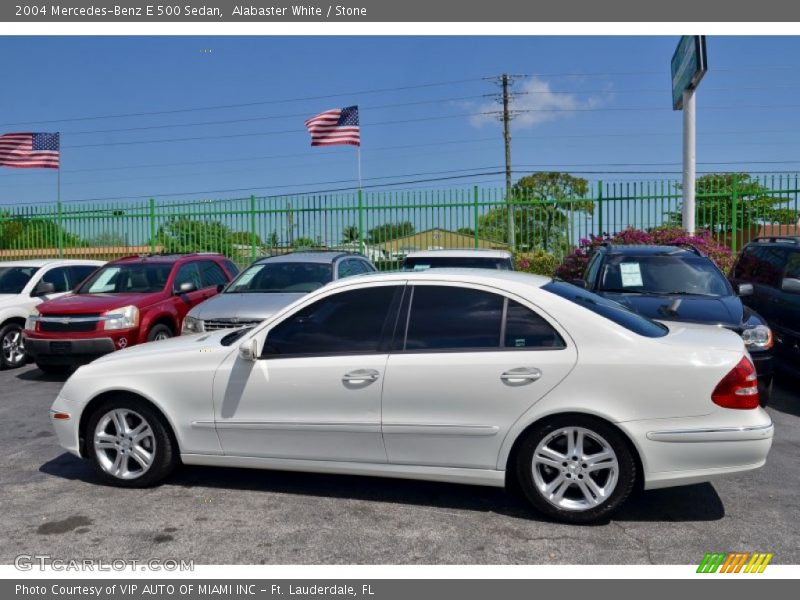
x=183 y=234
x=32 y=232
x=304 y=242
x=545 y=204
x=108 y=239
x=389 y=231
x=755 y=204
x=350 y=234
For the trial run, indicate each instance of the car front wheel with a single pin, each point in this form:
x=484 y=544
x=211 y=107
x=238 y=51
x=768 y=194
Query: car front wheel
x=575 y=469
x=13 y=346
x=158 y=333
x=129 y=444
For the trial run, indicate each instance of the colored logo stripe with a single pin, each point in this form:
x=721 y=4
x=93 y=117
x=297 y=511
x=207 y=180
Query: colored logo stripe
x=734 y=562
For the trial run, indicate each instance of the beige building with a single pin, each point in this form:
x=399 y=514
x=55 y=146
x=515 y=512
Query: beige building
x=435 y=239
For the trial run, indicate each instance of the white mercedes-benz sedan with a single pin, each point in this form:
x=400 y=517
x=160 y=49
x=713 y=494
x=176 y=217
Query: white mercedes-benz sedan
x=469 y=376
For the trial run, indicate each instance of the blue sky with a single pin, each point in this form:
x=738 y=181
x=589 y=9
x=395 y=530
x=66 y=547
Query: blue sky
x=617 y=90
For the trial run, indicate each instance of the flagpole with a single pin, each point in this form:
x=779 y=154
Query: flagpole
x=58 y=202
x=360 y=203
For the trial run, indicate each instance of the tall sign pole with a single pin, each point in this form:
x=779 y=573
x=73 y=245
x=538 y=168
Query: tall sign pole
x=687 y=67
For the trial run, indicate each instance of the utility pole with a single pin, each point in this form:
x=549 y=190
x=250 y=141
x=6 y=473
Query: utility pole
x=507 y=141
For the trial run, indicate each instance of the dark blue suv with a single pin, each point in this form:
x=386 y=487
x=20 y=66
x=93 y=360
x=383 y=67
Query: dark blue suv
x=771 y=267
x=678 y=283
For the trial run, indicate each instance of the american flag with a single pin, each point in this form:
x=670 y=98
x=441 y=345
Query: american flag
x=29 y=150
x=336 y=126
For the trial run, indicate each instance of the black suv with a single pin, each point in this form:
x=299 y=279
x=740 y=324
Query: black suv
x=679 y=283
x=771 y=267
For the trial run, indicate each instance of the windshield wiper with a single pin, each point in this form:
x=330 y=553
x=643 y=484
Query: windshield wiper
x=683 y=293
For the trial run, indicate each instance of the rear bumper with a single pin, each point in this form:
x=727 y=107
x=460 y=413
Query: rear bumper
x=67 y=351
x=698 y=449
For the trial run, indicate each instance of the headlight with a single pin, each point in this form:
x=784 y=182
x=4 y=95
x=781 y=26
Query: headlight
x=192 y=325
x=30 y=322
x=758 y=338
x=126 y=317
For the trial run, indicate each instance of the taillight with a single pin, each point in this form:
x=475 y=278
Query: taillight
x=739 y=388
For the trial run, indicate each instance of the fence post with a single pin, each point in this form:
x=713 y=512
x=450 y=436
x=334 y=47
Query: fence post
x=252 y=227
x=600 y=207
x=361 y=220
x=734 y=208
x=152 y=225
x=475 y=215
x=60 y=231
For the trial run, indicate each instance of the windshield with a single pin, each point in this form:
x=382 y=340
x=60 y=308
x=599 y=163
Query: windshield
x=13 y=279
x=613 y=311
x=694 y=275
x=468 y=262
x=136 y=278
x=281 y=278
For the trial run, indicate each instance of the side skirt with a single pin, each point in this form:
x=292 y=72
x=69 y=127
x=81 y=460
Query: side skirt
x=487 y=477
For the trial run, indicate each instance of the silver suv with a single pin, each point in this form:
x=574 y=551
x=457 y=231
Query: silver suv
x=269 y=284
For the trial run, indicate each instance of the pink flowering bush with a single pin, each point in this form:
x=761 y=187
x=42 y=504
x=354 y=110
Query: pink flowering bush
x=574 y=265
x=539 y=262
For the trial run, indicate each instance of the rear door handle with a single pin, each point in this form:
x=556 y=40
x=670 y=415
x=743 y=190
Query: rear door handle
x=521 y=375
x=361 y=376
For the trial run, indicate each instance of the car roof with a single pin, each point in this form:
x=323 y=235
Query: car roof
x=651 y=250
x=783 y=240
x=489 y=277
x=46 y=262
x=316 y=256
x=460 y=253
x=164 y=258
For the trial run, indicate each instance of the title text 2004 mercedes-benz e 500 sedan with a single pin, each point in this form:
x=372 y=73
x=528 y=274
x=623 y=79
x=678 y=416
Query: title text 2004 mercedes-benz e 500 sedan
x=484 y=377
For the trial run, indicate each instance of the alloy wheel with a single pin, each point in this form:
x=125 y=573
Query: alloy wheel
x=13 y=347
x=124 y=444
x=575 y=469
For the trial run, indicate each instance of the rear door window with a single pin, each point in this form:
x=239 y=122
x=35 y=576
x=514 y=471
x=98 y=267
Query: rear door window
x=453 y=318
x=211 y=274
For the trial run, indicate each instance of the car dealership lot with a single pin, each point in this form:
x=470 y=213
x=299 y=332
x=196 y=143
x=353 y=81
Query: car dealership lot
x=52 y=504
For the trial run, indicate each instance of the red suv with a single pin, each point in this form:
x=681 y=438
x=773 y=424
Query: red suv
x=128 y=301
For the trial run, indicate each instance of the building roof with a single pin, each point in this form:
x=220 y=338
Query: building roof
x=461 y=253
x=436 y=238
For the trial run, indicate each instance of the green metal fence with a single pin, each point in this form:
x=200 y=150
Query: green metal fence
x=386 y=225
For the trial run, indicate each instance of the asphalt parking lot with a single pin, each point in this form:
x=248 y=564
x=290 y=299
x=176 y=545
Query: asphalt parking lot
x=52 y=503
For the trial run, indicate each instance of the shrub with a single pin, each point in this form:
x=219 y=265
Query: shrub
x=538 y=262
x=575 y=263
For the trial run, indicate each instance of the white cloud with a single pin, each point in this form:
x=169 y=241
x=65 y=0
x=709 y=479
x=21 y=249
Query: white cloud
x=534 y=103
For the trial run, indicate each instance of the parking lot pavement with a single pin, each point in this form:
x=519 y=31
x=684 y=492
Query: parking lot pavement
x=52 y=504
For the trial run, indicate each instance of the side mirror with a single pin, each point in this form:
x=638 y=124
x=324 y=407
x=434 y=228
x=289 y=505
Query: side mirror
x=248 y=349
x=220 y=287
x=186 y=287
x=44 y=288
x=746 y=289
x=791 y=285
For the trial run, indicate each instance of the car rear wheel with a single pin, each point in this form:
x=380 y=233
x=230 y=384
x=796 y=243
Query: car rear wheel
x=159 y=332
x=13 y=346
x=129 y=444
x=575 y=469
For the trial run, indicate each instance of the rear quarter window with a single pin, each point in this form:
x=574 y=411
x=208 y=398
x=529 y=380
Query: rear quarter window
x=613 y=311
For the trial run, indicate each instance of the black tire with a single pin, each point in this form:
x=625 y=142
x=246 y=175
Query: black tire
x=54 y=369
x=163 y=448
x=159 y=331
x=12 y=348
x=554 y=431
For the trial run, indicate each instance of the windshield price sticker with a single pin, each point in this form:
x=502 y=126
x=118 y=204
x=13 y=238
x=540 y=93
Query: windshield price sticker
x=631 y=274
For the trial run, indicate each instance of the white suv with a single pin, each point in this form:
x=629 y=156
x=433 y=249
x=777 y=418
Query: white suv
x=23 y=285
x=472 y=258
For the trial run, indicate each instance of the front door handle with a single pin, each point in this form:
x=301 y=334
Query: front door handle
x=361 y=376
x=521 y=375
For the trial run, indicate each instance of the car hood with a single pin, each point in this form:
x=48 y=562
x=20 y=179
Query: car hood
x=247 y=307
x=727 y=311
x=169 y=349
x=95 y=303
